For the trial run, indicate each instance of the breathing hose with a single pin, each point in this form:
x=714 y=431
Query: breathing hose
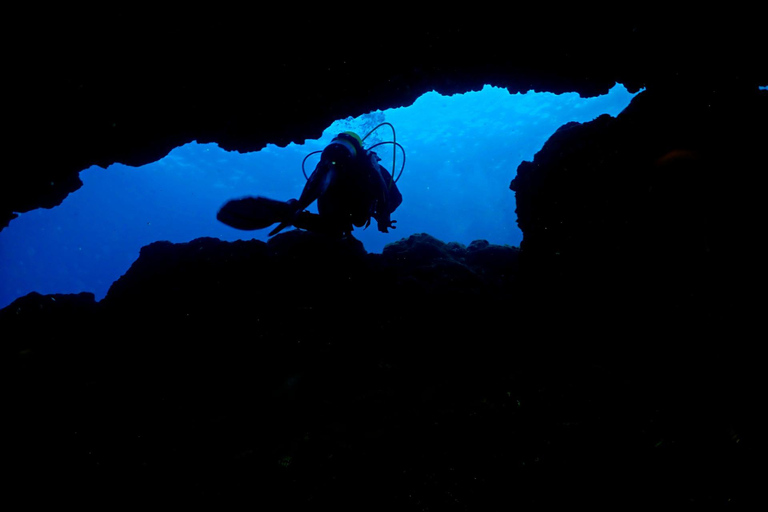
x=394 y=153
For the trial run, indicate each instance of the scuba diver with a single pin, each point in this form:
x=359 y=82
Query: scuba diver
x=350 y=188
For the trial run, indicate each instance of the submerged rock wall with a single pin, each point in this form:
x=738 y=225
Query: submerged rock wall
x=119 y=85
x=610 y=359
x=305 y=371
x=660 y=204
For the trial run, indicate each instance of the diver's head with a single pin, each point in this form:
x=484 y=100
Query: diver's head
x=345 y=147
x=352 y=137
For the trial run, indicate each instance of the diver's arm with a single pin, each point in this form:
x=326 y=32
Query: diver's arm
x=383 y=220
x=382 y=213
x=385 y=225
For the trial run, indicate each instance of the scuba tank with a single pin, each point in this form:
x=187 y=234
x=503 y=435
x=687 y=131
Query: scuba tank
x=340 y=148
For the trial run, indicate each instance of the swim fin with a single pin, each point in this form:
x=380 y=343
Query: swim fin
x=251 y=213
x=279 y=228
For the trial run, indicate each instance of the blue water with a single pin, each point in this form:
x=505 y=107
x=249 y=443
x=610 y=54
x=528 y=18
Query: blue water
x=462 y=151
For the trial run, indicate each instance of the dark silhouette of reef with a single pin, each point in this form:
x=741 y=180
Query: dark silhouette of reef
x=611 y=359
x=659 y=206
x=305 y=371
x=294 y=368
x=125 y=86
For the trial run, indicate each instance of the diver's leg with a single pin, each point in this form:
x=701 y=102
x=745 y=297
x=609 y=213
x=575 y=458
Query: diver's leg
x=316 y=223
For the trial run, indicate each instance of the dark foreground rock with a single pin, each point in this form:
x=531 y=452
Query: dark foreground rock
x=305 y=373
x=612 y=361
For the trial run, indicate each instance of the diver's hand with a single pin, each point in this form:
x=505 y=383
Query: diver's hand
x=384 y=225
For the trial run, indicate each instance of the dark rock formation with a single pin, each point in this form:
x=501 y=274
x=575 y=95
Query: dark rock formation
x=295 y=352
x=120 y=86
x=660 y=206
x=305 y=371
x=606 y=361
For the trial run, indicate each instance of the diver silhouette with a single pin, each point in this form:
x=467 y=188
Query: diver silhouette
x=349 y=185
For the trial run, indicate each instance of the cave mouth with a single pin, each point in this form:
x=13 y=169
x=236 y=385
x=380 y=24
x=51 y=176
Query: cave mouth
x=462 y=152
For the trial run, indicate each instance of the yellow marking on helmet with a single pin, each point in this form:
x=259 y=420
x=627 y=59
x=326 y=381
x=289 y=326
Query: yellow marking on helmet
x=356 y=136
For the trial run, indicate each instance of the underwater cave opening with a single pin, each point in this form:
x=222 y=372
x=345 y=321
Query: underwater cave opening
x=462 y=152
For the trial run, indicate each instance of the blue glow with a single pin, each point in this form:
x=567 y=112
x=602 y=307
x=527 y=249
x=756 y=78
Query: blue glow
x=462 y=153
